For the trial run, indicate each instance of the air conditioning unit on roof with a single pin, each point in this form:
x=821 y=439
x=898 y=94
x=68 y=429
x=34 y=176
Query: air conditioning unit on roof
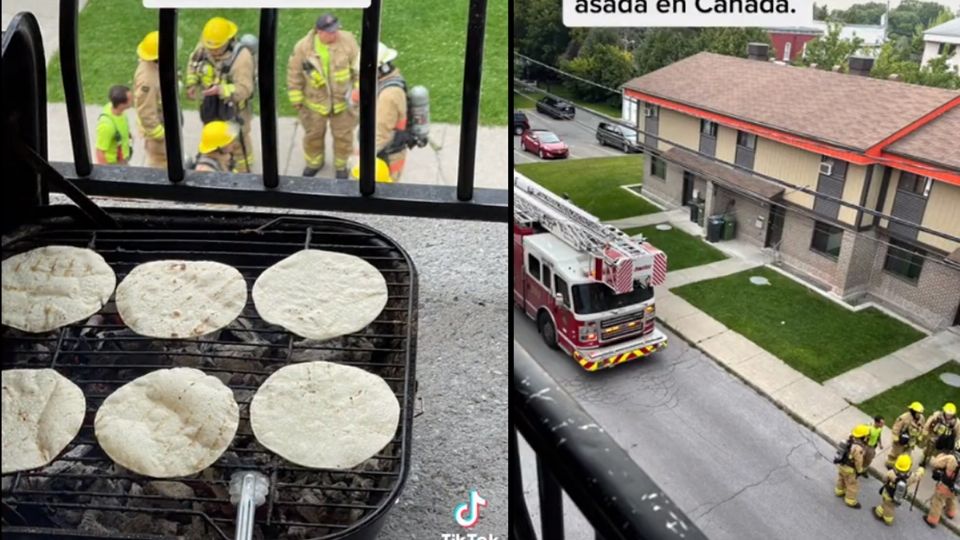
x=826 y=168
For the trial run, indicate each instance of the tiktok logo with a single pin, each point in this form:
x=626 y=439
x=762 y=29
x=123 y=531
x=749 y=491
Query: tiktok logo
x=468 y=514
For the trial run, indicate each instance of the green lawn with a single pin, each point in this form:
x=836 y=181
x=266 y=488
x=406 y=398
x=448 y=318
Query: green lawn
x=594 y=184
x=526 y=98
x=812 y=334
x=927 y=389
x=429 y=34
x=683 y=250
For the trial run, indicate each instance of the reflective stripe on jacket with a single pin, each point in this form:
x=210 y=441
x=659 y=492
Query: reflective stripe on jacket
x=319 y=88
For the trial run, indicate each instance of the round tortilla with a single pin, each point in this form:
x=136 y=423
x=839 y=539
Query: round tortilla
x=42 y=413
x=50 y=287
x=320 y=294
x=324 y=415
x=180 y=299
x=168 y=423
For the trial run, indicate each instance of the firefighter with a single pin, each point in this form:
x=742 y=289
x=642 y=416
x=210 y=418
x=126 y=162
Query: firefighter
x=895 y=485
x=946 y=468
x=218 y=142
x=323 y=85
x=851 y=466
x=873 y=440
x=906 y=432
x=391 y=112
x=940 y=431
x=381 y=173
x=146 y=99
x=114 y=144
x=222 y=69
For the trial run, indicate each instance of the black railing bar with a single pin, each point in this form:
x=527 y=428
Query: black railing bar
x=470 y=107
x=72 y=85
x=551 y=503
x=267 y=74
x=521 y=527
x=616 y=496
x=401 y=198
x=170 y=98
x=367 y=133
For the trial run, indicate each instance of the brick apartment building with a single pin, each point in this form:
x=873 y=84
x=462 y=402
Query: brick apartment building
x=776 y=147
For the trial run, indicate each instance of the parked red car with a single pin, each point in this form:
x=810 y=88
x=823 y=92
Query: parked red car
x=544 y=143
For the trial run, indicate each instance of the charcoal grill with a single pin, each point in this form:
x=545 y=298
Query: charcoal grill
x=99 y=355
x=82 y=494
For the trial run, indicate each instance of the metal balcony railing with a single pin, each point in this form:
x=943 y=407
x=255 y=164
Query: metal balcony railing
x=575 y=455
x=463 y=201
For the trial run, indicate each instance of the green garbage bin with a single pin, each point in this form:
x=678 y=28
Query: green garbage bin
x=714 y=228
x=729 y=229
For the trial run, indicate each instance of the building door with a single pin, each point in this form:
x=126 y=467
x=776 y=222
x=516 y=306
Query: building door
x=787 y=48
x=687 y=187
x=775 y=227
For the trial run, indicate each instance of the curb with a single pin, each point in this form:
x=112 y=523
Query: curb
x=954 y=527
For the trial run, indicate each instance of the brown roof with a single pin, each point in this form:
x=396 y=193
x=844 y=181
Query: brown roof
x=846 y=110
x=724 y=174
x=936 y=142
x=954 y=257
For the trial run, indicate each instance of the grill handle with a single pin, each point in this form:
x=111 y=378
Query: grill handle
x=248 y=490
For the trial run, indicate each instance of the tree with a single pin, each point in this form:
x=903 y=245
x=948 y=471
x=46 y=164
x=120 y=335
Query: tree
x=664 y=46
x=936 y=73
x=820 y=13
x=539 y=32
x=910 y=14
x=829 y=50
x=868 y=13
x=604 y=64
x=731 y=41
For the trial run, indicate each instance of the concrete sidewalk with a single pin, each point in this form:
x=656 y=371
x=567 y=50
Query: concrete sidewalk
x=424 y=165
x=47 y=13
x=828 y=408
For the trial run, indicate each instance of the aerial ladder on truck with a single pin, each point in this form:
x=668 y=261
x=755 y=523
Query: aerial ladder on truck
x=619 y=260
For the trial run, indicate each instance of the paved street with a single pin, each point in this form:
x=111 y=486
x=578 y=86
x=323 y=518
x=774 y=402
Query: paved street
x=736 y=464
x=579 y=134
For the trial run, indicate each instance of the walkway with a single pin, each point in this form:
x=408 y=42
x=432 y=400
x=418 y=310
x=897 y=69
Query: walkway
x=825 y=408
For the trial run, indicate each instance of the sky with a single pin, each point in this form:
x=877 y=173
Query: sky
x=844 y=4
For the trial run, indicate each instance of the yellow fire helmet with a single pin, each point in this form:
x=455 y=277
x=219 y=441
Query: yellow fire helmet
x=916 y=406
x=903 y=463
x=382 y=172
x=950 y=409
x=217 y=134
x=217 y=32
x=860 y=431
x=149 y=48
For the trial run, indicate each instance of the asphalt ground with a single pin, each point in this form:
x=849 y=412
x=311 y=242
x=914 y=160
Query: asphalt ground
x=736 y=464
x=579 y=134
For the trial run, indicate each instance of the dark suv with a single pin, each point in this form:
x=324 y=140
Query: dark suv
x=561 y=110
x=622 y=137
x=520 y=123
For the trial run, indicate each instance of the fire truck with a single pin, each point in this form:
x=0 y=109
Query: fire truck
x=588 y=286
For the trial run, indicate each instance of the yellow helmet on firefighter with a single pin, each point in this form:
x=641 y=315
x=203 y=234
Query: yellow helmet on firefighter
x=916 y=406
x=950 y=409
x=903 y=463
x=216 y=135
x=385 y=54
x=217 y=32
x=860 y=431
x=382 y=173
x=149 y=47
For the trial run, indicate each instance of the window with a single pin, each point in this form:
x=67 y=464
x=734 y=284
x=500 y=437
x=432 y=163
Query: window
x=560 y=286
x=708 y=128
x=596 y=297
x=911 y=183
x=533 y=266
x=946 y=49
x=651 y=109
x=904 y=260
x=787 y=49
x=826 y=239
x=746 y=140
x=547 y=276
x=658 y=167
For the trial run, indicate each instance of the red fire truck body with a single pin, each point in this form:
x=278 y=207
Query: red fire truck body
x=588 y=286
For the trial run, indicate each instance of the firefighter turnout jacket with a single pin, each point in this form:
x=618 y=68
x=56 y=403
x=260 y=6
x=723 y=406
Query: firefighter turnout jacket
x=391 y=121
x=939 y=426
x=319 y=75
x=146 y=100
x=907 y=426
x=232 y=70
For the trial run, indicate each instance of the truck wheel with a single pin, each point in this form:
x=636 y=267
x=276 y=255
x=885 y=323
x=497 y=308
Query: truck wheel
x=626 y=148
x=547 y=331
x=518 y=130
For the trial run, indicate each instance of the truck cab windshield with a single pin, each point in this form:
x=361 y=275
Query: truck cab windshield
x=596 y=297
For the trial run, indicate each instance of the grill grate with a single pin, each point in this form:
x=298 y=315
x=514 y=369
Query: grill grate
x=100 y=355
